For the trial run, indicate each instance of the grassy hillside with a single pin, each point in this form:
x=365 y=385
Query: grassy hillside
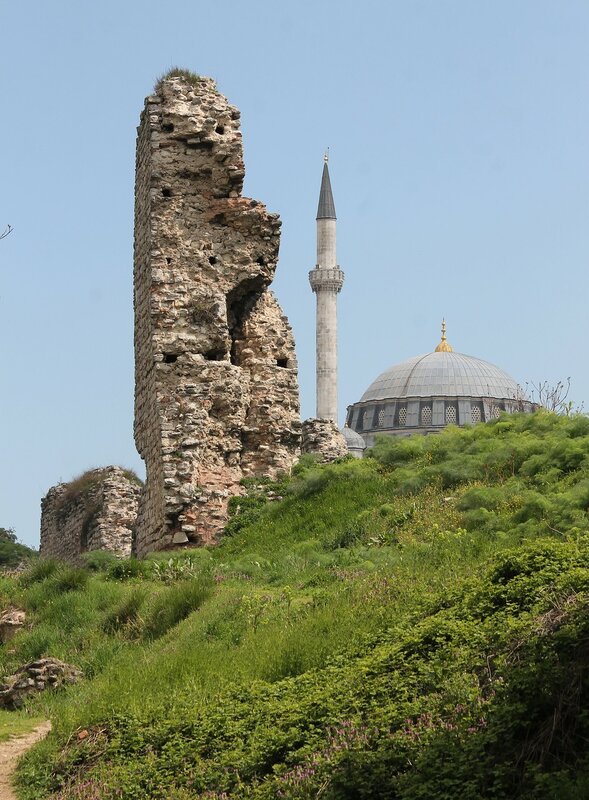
x=410 y=626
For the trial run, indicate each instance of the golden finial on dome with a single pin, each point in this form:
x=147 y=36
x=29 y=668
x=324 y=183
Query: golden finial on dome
x=444 y=347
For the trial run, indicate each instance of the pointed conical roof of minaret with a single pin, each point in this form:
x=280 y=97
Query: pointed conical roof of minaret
x=326 y=207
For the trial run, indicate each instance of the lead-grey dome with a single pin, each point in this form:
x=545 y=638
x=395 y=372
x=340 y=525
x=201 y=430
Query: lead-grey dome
x=353 y=439
x=442 y=374
x=427 y=392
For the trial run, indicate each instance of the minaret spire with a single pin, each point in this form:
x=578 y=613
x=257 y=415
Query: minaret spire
x=326 y=207
x=326 y=281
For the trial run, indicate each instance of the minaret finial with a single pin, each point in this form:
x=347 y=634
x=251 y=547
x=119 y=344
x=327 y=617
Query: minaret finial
x=326 y=156
x=444 y=347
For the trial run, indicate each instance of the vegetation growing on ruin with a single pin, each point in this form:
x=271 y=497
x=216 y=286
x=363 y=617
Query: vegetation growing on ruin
x=410 y=626
x=84 y=484
x=177 y=72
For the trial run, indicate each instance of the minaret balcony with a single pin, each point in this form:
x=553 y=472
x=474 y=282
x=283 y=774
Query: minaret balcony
x=326 y=279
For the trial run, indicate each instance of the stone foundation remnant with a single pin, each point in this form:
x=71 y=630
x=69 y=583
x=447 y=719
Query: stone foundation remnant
x=216 y=392
x=96 y=511
x=322 y=438
x=34 y=677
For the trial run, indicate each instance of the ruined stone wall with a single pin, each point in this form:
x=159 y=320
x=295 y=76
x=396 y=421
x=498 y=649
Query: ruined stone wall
x=216 y=394
x=96 y=512
x=322 y=438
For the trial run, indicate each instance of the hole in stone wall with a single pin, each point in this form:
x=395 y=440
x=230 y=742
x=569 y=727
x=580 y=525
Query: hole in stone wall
x=240 y=302
x=220 y=129
x=282 y=362
x=212 y=259
x=215 y=355
x=174 y=520
x=170 y=358
x=261 y=261
x=168 y=260
x=219 y=219
x=167 y=192
x=167 y=127
x=200 y=145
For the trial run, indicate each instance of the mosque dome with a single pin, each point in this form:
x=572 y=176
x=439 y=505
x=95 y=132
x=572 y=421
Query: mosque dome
x=428 y=392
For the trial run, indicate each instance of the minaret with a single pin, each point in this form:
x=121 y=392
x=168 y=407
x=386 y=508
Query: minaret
x=326 y=281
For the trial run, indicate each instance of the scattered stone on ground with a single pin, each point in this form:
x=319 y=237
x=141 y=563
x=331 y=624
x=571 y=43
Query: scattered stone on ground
x=11 y=621
x=34 y=677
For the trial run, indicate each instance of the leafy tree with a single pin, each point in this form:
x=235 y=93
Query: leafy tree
x=7 y=535
x=12 y=552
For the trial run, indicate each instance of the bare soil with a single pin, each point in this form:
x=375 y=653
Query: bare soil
x=11 y=751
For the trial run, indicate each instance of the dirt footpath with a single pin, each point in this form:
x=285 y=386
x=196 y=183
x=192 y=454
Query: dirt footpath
x=11 y=751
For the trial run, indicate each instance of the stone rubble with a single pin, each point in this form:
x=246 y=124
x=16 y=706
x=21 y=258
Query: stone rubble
x=35 y=677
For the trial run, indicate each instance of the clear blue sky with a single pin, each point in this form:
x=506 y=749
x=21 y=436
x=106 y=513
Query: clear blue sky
x=459 y=140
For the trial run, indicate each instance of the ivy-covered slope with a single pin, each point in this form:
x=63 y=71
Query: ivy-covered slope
x=411 y=626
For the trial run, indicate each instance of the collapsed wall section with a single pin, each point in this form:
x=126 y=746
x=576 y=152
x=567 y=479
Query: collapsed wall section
x=97 y=511
x=216 y=393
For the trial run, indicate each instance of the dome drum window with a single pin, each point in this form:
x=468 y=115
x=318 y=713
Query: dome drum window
x=451 y=414
x=426 y=415
x=402 y=416
x=476 y=413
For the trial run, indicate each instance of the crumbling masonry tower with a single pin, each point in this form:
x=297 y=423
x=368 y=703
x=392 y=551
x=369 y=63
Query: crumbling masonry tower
x=216 y=394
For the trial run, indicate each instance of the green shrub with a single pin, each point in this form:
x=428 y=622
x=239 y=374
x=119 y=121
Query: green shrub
x=39 y=571
x=177 y=72
x=127 y=568
x=99 y=560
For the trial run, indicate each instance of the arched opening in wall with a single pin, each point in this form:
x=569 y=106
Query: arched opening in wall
x=240 y=304
x=87 y=526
